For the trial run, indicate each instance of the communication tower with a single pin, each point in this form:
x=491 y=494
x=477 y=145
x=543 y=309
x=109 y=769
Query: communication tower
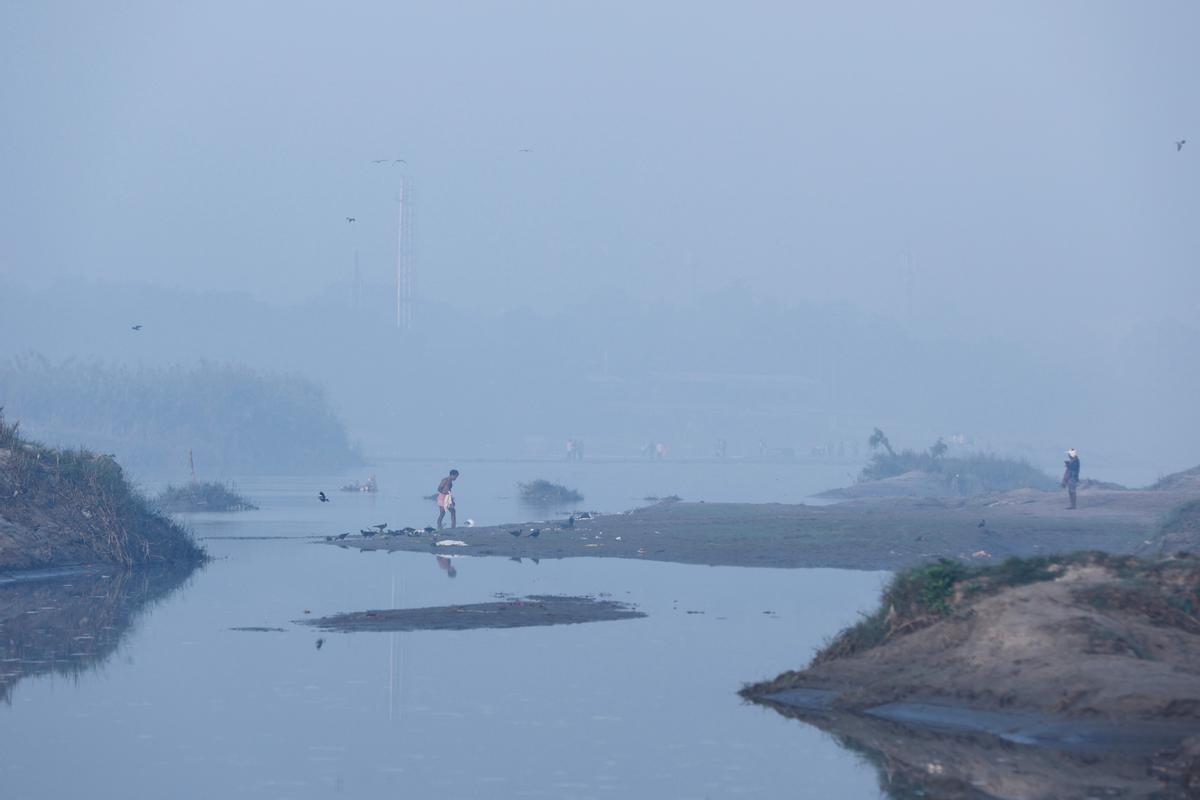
x=404 y=256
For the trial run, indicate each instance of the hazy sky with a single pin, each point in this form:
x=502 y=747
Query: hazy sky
x=1024 y=152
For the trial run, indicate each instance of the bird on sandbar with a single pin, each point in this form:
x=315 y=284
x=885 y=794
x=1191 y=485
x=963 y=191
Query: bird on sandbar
x=570 y=523
x=535 y=532
x=382 y=526
x=428 y=529
x=367 y=533
x=321 y=496
x=342 y=536
x=514 y=534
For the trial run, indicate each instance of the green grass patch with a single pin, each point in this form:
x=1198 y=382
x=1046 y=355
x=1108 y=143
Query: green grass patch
x=544 y=493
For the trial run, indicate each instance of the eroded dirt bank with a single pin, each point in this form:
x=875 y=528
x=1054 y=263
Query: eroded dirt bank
x=1089 y=652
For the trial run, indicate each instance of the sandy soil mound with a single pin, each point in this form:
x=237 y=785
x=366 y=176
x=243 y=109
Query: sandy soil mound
x=1186 y=481
x=1180 y=529
x=915 y=483
x=1088 y=635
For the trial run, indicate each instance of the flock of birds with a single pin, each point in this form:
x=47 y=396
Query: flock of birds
x=382 y=528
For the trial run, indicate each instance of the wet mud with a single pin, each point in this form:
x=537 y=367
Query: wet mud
x=873 y=534
x=536 y=610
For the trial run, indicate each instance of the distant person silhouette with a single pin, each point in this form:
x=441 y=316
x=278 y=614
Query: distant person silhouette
x=1070 y=479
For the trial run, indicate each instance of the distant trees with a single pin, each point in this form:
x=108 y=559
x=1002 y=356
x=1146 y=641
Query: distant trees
x=234 y=419
x=967 y=474
x=879 y=439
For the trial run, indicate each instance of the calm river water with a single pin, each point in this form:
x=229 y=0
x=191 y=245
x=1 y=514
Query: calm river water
x=183 y=706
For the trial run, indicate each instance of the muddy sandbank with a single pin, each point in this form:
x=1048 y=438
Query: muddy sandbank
x=535 y=610
x=875 y=534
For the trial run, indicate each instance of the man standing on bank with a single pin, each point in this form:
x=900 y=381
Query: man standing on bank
x=445 y=499
x=1070 y=479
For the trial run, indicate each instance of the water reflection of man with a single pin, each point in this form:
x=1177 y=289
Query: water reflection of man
x=448 y=565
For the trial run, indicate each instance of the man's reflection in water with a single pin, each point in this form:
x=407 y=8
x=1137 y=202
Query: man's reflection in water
x=446 y=564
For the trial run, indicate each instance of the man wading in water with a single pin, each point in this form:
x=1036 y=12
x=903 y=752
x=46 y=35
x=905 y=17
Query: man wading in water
x=445 y=499
x=1070 y=479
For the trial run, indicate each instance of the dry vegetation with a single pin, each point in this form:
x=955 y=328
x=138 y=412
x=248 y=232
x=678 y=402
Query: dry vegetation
x=64 y=507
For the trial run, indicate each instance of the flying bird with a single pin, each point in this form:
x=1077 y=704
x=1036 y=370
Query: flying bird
x=135 y=327
x=1179 y=145
x=378 y=160
x=321 y=496
x=351 y=219
x=319 y=643
x=399 y=161
x=525 y=150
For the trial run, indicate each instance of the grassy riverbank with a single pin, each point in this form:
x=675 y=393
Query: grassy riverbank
x=69 y=507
